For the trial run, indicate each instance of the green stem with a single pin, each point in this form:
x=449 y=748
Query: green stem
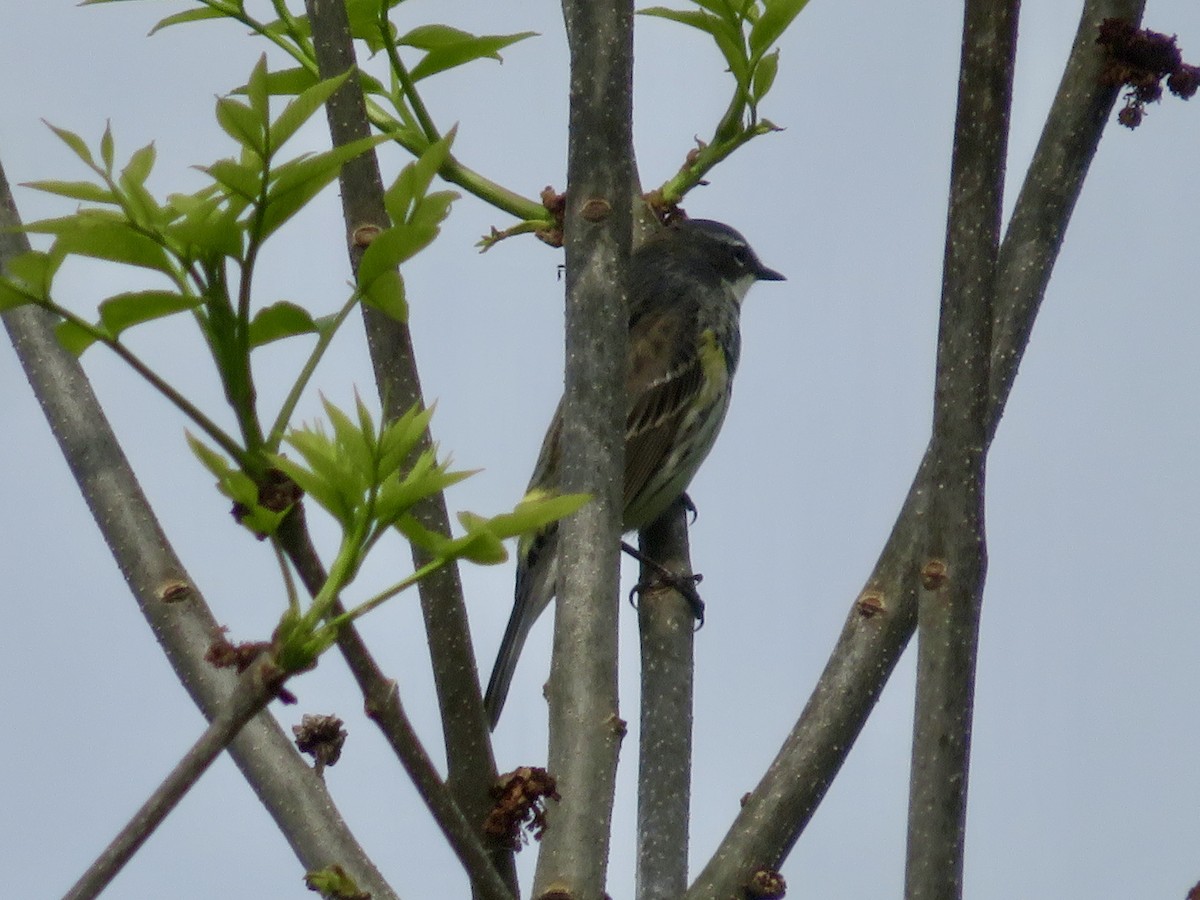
x=203 y=422
x=289 y=583
x=452 y=170
x=407 y=86
x=367 y=605
x=341 y=573
x=688 y=177
x=298 y=51
x=244 y=397
x=324 y=339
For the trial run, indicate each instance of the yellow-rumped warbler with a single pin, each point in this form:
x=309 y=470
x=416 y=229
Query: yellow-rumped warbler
x=686 y=286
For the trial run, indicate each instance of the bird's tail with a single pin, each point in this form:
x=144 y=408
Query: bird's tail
x=537 y=572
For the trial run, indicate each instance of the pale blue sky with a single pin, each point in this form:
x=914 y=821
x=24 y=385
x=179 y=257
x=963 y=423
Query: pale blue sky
x=1083 y=780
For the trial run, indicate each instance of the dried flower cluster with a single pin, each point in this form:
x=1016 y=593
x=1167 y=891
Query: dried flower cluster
x=520 y=810
x=1140 y=59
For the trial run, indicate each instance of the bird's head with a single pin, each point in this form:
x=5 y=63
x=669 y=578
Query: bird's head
x=724 y=249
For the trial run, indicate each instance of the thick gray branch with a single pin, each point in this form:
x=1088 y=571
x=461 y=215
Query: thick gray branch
x=585 y=732
x=955 y=553
x=667 y=625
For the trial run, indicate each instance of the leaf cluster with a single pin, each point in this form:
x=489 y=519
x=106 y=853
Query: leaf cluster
x=202 y=249
x=745 y=32
x=369 y=478
x=394 y=104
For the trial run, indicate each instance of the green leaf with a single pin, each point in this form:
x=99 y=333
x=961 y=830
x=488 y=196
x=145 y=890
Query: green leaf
x=482 y=546
x=75 y=190
x=764 y=75
x=535 y=512
x=137 y=170
x=105 y=236
x=256 y=90
x=734 y=51
x=240 y=180
x=387 y=250
x=106 y=148
x=33 y=271
x=332 y=881
x=339 y=469
x=436 y=545
x=280 y=320
x=125 y=310
x=289 y=82
x=143 y=208
x=400 y=437
x=73 y=338
x=353 y=447
x=771 y=25
x=370 y=84
x=416 y=217
x=204 y=224
x=725 y=10
x=316 y=487
x=242 y=124
x=75 y=142
x=725 y=32
x=191 y=15
x=301 y=110
x=457 y=53
x=297 y=182
x=217 y=464
x=429 y=37
x=364 y=19
x=296 y=28
x=397 y=497
x=414 y=179
x=692 y=17
x=427 y=218
x=12 y=296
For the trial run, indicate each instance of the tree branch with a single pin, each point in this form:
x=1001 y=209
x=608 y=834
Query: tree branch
x=254 y=691
x=585 y=731
x=954 y=559
x=666 y=623
x=173 y=606
x=472 y=768
x=884 y=615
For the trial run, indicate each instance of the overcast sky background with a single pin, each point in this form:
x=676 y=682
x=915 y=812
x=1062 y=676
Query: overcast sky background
x=1083 y=777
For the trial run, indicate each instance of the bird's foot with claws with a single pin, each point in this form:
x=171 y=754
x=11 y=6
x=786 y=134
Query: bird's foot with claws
x=665 y=578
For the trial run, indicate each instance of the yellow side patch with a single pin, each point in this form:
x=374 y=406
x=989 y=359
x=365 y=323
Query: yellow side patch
x=715 y=365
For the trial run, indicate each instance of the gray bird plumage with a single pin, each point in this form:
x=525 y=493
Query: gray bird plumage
x=686 y=287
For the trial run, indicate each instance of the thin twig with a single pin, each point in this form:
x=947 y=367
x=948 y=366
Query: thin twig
x=254 y=691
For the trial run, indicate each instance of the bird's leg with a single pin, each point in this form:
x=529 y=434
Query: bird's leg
x=684 y=584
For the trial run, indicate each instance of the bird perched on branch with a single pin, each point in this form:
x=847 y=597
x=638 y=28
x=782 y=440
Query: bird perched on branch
x=686 y=287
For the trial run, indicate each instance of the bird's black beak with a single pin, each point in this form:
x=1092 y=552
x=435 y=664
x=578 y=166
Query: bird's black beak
x=765 y=274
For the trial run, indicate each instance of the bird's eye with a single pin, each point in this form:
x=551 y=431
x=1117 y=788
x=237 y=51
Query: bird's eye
x=744 y=257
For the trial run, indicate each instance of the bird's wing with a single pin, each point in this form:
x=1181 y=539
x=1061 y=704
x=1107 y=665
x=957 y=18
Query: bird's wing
x=663 y=378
